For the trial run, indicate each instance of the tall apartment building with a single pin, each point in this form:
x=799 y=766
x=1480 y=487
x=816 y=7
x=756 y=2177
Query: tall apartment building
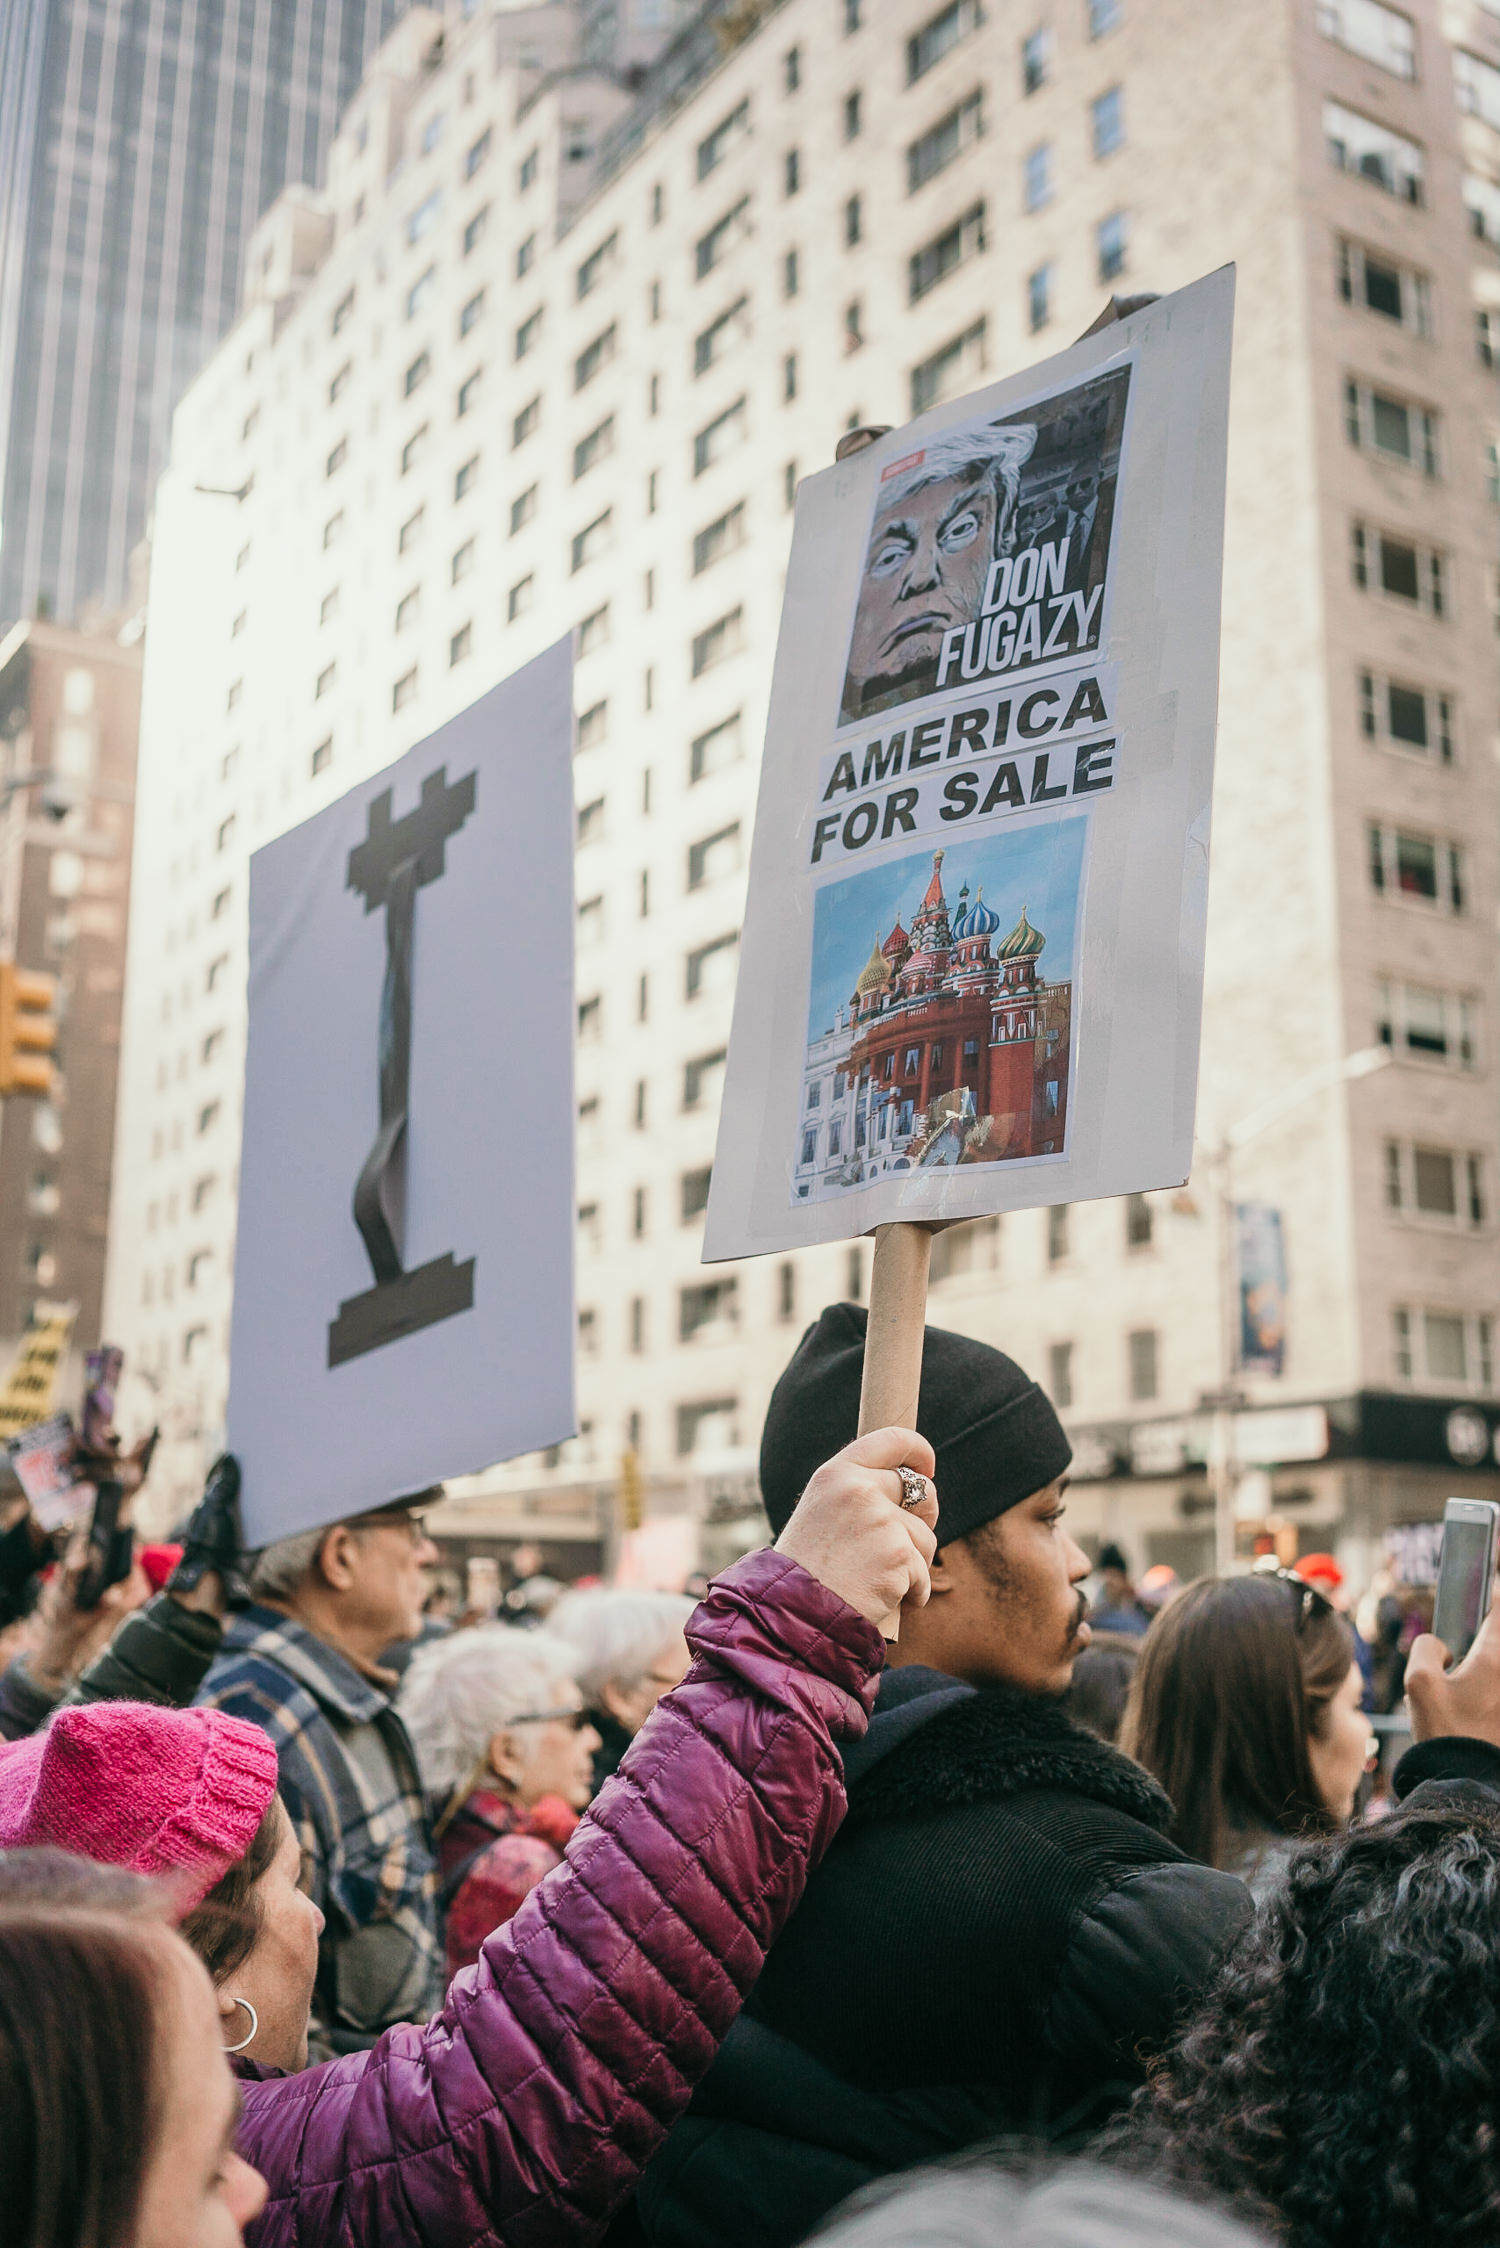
x=140 y=142
x=544 y=357
x=69 y=714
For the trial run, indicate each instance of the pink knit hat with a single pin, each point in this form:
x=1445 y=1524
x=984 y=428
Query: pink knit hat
x=178 y=1792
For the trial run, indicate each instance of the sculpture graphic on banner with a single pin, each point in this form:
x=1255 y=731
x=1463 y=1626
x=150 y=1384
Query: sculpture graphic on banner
x=396 y=859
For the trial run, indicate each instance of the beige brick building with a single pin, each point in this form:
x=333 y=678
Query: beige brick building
x=551 y=352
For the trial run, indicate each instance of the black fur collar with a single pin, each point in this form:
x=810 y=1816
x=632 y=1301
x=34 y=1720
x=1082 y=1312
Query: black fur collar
x=996 y=1743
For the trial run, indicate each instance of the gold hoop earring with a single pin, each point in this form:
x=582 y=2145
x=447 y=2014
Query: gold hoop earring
x=254 y=2029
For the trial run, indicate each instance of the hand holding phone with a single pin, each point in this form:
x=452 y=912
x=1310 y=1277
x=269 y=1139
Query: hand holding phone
x=1466 y=1573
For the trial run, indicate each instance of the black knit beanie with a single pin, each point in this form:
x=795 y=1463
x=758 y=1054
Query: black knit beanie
x=995 y=1433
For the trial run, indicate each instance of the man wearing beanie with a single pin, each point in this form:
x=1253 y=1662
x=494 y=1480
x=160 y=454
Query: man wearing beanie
x=1002 y=1927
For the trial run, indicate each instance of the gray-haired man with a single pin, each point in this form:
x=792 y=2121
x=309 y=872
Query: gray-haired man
x=938 y=526
x=302 y=1662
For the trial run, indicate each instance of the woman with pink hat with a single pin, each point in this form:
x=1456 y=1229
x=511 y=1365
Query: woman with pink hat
x=526 y=2108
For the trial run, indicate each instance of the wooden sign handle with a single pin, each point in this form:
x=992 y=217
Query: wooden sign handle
x=893 y=1343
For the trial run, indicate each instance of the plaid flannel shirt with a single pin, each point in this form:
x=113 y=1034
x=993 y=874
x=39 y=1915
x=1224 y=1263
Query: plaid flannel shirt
x=349 y=1780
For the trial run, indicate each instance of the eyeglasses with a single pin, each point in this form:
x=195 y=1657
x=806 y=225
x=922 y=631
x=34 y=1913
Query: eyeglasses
x=409 y=1519
x=574 y=1719
x=1311 y=1601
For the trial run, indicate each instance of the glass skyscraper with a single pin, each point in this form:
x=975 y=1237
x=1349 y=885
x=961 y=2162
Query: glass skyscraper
x=140 y=141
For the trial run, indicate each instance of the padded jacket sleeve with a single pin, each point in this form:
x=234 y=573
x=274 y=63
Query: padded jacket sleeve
x=522 y=2114
x=1146 y=1950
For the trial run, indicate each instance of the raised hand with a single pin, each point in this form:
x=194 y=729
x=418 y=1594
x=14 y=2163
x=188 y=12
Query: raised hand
x=851 y=1530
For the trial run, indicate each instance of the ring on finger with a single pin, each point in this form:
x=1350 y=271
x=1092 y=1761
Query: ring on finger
x=913 y=1487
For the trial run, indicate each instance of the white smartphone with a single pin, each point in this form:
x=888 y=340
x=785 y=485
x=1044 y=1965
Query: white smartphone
x=1466 y=1572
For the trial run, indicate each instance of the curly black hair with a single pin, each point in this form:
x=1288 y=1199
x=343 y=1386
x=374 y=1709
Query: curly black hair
x=1341 y=2081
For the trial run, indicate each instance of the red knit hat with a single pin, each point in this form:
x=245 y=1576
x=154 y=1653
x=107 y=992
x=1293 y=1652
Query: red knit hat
x=178 y=1792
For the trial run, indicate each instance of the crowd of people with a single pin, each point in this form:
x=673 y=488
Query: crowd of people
x=327 y=1922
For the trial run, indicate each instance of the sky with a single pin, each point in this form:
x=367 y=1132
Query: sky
x=1038 y=865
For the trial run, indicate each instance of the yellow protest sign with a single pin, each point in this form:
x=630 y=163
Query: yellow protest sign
x=32 y=1381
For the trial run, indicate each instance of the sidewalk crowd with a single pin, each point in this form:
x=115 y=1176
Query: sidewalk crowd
x=325 y=1923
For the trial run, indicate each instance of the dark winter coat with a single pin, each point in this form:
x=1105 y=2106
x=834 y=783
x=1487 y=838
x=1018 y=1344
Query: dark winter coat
x=999 y=1932
x=521 y=2114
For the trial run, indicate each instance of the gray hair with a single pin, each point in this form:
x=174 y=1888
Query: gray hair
x=1000 y=450
x=463 y=1689
x=618 y=1633
x=976 y=2205
x=279 y=1571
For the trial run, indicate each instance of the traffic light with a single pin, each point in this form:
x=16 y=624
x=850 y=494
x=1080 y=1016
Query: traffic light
x=629 y=1490
x=28 y=1030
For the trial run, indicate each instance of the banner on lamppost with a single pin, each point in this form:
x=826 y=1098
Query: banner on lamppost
x=1260 y=1263
x=403 y=1295
x=971 y=964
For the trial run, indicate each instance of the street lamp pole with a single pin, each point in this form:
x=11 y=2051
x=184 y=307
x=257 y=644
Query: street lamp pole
x=1227 y=1399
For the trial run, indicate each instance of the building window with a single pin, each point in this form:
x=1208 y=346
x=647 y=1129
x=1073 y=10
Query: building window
x=1057 y=1233
x=720 y=436
x=947 y=139
x=593 y=726
x=468 y=319
x=1382 y=424
x=711 y=1425
x=593 y=631
x=854 y=220
x=854 y=330
x=974 y=1247
x=1369 y=28
x=791 y=171
x=525 y=257
x=703 y=1080
x=1104 y=16
x=724 y=637
x=474 y=231
x=711 y=967
x=591 y=822
x=789 y=275
x=786 y=1292
x=595 y=266
x=731 y=326
x=1435 y=1182
x=337 y=457
x=1396 y=292
x=789 y=377
x=590 y=1021
x=714 y=857
x=526 y=423
x=461 y=644
x=1107 y=121
x=413 y=449
x=710 y=1304
x=592 y=540
x=468 y=396
x=404 y=689
x=1421 y=1024
x=1394 y=566
x=715 y=751
x=719 y=538
x=342 y=311
x=326 y=679
x=1060 y=1374
x=593 y=448
x=694 y=1186
x=528 y=334
x=519 y=598
x=1111 y=238
x=463 y=561
x=853 y=116
x=477 y=154
x=1039 y=297
x=713 y=247
x=713 y=149
x=466 y=478
x=957 y=367
x=419 y=292
x=939 y=36
x=791 y=69
x=1373 y=152
x=1413 y=719
x=410 y=531
x=1455 y=1350
x=322 y=757
x=333 y=529
x=1482 y=201
x=1036 y=177
x=522 y=509
x=1036 y=55
x=1142 y=1350
x=947 y=251
x=1138 y=1223
x=416 y=373
x=530 y=166
x=594 y=356
x=1477 y=86
x=1417 y=867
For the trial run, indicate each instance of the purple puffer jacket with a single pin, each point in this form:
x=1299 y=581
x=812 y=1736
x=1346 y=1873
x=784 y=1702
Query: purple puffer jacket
x=525 y=2110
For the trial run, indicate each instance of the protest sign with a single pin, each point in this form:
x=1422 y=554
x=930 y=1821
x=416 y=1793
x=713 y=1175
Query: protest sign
x=971 y=966
x=403 y=1300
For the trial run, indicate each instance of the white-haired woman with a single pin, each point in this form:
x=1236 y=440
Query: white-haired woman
x=631 y=1651
x=506 y=1751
